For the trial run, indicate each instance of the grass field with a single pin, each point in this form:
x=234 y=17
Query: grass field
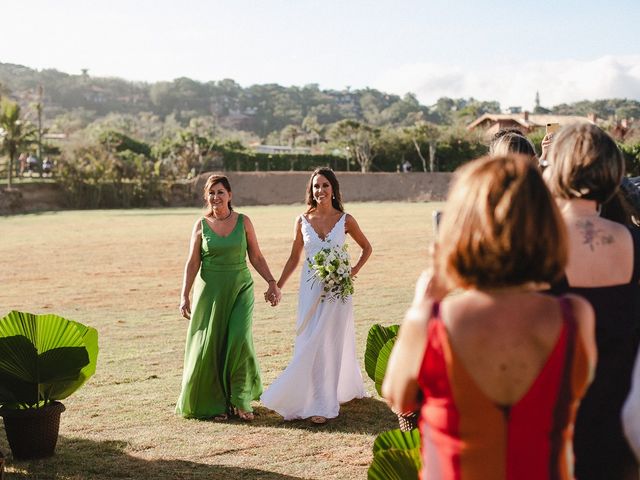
x=120 y=271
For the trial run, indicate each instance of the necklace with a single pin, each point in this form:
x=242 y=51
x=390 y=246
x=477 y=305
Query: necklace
x=223 y=219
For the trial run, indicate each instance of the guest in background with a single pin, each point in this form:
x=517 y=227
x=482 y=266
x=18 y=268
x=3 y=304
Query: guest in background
x=499 y=369
x=22 y=163
x=585 y=171
x=506 y=142
x=47 y=167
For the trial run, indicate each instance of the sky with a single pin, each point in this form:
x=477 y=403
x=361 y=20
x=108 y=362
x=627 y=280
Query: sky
x=490 y=49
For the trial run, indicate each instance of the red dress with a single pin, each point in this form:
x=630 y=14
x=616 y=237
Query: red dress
x=465 y=435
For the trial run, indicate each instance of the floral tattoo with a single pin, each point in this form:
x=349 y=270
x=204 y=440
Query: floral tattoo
x=593 y=236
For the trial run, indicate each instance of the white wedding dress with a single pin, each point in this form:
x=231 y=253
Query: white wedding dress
x=324 y=371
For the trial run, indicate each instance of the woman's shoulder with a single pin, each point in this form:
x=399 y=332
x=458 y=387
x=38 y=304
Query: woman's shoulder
x=581 y=309
x=348 y=218
x=614 y=228
x=246 y=221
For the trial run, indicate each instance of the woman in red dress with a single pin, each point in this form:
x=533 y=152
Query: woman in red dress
x=497 y=369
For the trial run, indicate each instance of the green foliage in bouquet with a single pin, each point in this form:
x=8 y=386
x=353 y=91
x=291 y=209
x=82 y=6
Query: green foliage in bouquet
x=43 y=358
x=331 y=266
x=380 y=342
x=396 y=456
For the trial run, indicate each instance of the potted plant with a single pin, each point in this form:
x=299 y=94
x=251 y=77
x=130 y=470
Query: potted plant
x=380 y=342
x=43 y=359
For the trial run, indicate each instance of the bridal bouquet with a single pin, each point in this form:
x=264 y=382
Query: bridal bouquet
x=331 y=266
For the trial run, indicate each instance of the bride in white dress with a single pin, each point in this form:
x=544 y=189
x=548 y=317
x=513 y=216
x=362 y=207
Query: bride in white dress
x=324 y=371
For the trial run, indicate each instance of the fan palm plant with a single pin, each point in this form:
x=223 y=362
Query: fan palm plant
x=43 y=358
x=380 y=342
x=396 y=456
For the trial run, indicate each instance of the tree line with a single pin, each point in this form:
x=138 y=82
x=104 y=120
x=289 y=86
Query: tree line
x=145 y=135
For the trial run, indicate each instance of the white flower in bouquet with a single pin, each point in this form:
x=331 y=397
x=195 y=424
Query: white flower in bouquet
x=332 y=267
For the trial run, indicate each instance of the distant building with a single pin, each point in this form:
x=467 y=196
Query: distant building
x=527 y=123
x=61 y=137
x=275 y=149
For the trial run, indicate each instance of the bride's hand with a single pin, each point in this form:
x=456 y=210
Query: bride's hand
x=273 y=294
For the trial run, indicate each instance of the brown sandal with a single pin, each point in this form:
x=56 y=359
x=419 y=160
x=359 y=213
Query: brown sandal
x=221 y=418
x=245 y=416
x=318 y=420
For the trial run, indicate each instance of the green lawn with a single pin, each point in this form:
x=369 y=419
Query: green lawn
x=120 y=271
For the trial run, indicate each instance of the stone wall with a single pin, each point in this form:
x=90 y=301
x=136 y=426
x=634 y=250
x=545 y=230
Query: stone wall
x=31 y=197
x=262 y=188
x=257 y=188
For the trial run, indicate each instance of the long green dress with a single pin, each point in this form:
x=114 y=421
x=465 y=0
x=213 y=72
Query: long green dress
x=220 y=366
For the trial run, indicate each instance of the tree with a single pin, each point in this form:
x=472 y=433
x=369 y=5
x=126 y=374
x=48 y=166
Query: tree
x=424 y=132
x=14 y=133
x=312 y=129
x=359 y=138
x=289 y=134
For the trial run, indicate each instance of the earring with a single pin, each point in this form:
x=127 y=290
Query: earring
x=333 y=196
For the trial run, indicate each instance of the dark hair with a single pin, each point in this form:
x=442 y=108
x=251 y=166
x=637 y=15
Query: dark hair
x=336 y=199
x=624 y=206
x=211 y=181
x=511 y=142
x=503 y=131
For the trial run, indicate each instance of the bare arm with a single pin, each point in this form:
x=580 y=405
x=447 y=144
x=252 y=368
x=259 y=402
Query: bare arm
x=353 y=229
x=191 y=269
x=259 y=262
x=294 y=256
x=400 y=386
x=631 y=411
x=585 y=321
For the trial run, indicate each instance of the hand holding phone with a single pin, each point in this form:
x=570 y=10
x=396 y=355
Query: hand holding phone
x=552 y=128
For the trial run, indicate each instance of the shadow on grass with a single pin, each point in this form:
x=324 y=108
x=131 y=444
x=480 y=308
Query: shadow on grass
x=86 y=459
x=365 y=416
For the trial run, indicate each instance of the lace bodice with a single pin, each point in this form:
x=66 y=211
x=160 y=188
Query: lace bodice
x=312 y=241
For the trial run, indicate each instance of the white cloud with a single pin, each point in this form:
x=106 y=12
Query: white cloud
x=561 y=81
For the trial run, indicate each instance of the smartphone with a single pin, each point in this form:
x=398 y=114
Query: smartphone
x=437 y=216
x=552 y=127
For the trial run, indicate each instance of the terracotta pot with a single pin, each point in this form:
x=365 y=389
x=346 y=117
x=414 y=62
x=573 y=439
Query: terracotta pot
x=33 y=432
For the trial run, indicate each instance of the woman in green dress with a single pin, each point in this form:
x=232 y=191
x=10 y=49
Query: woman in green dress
x=221 y=374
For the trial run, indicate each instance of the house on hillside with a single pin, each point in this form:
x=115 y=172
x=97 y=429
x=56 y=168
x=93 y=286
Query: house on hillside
x=527 y=123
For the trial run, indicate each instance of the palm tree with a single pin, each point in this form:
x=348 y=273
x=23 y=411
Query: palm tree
x=14 y=133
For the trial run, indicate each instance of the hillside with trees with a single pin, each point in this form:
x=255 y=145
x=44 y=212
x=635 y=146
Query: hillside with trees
x=139 y=136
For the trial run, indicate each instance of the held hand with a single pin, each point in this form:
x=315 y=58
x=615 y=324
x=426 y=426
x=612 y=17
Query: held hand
x=273 y=294
x=185 y=308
